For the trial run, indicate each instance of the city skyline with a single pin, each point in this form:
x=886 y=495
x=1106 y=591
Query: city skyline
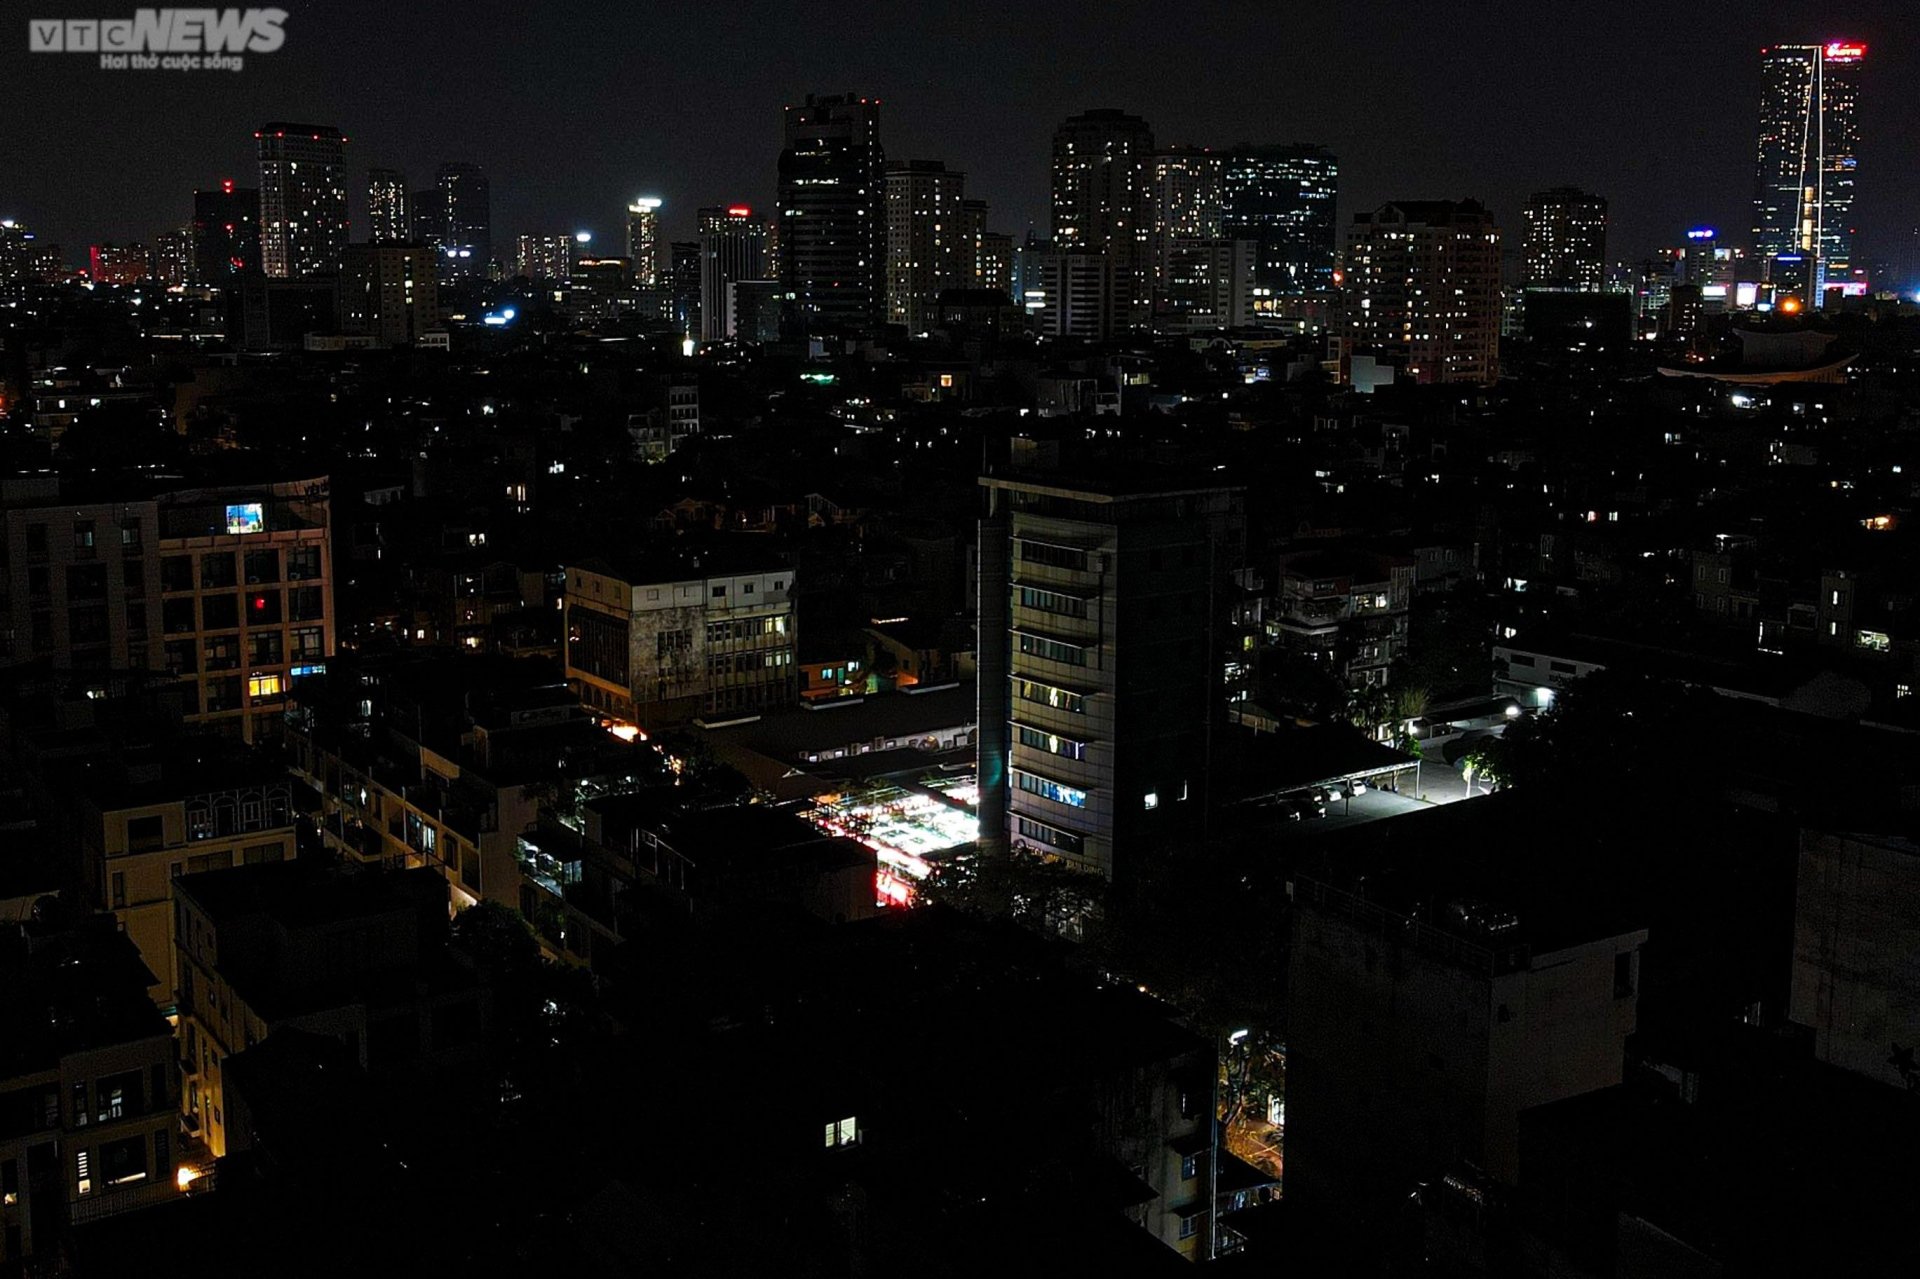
x=1485 y=108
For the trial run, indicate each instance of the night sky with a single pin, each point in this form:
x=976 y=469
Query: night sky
x=574 y=107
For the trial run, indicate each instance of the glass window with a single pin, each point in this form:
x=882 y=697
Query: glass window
x=303 y=562
x=263 y=566
x=176 y=573
x=216 y=569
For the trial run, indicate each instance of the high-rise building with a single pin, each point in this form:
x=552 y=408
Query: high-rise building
x=683 y=279
x=927 y=248
x=1103 y=202
x=387 y=218
x=1565 y=245
x=1070 y=294
x=995 y=263
x=1423 y=289
x=643 y=240
x=1803 y=230
x=1188 y=200
x=389 y=292
x=544 y=257
x=1282 y=198
x=833 y=239
x=173 y=257
x=1206 y=284
x=119 y=263
x=1101 y=605
x=467 y=245
x=733 y=246
x=226 y=233
x=428 y=211
x=303 y=199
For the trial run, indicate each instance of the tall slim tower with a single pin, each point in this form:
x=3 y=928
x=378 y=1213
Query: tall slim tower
x=226 y=233
x=1282 y=198
x=643 y=240
x=1102 y=602
x=467 y=198
x=1564 y=246
x=303 y=198
x=1803 y=226
x=927 y=248
x=733 y=247
x=387 y=219
x=1103 y=202
x=832 y=234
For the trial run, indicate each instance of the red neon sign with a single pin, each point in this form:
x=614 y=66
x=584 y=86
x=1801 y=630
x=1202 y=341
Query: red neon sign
x=738 y=211
x=1841 y=51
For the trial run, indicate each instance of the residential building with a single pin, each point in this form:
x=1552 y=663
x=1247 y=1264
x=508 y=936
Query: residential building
x=1103 y=169
x=303 y=199
x=388 y=218
x=1565 y=242
x=926 y=240
x=1101 y=613
x=389 y=292
x=90 y=1127
x=1432 y=999
x=173 y=258
x=1188 y=200
x=466 y=202
x=832 y=212
x=1072 y=295
x=544 y=257
x=358 y=955
x=1423 y=289
x=119 y=264
x=670 y=637
x=1346 y=609
x=1855 y=922
x=1206 y=284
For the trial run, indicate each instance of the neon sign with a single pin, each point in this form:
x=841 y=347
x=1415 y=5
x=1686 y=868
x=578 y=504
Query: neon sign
x=1841 y=51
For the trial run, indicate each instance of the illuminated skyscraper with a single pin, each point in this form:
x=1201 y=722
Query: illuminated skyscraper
x=1103 y=203
x=733 y=247
x=832 y=237
x=544 y=257
x=1809 y=150
x=1187 y=202
x=1565 y=245
x=643 y=240
x=926 y=240
x=387 y=220
x=1282 y=198
x=226 y=234
x=303 y=199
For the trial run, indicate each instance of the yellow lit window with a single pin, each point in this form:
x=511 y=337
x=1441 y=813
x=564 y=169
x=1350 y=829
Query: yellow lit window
x=263 y=686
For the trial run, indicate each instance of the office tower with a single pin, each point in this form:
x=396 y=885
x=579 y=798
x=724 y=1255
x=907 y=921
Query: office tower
x=387 y=218
x=1206 y=284
x=995 y=269
x=1282 y=198
x=1188 y=200
x=1070 y=295
x=973 y=236
x=1565 y=244
x=1101 y=605
x=733 y=246
x=1809 y=152
x=683 y=278
x=926 y=234
x=428 y=211
x=832 y=237
x=643 y=240
x=467 y=244
x=1103 y=203
x=173 y=258
x=118 y=263
x=1423 y=289
x=389 y=292
x=544 y=257
x=303 y=199
x=226 y=233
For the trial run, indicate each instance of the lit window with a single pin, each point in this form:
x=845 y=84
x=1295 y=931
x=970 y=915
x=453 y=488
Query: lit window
x=263 y=686
x=1152 y=800
x=845 y=1132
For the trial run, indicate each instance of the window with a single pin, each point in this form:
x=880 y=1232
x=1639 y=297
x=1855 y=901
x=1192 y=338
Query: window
x=263 y=686
x=36 y=539
x=1053 y=743
x=263 y=608
x=80 y=1104
x=222 y=652
x=162 y=1155
x=83 y=1170
x=117 y=1096
x=1190 y=1223
x=303 y=562
x=83 y=535
x=176 y=573
x=1872 y=641
x=130 y=533
x=263 y=566
x=219 y=613
x=223 y=694
x=1190 y=1167
x=306 y=604
x=265 y=648
x=1051 y=555
x=255 y=854
x=119 y=890
x=216 y=570
x=309 y=643
x=1049 y=695
x=1151 y=800
x=1047 y=788
x=1065 y=841
x=845 y=1132
x=1050 y=649
x=124 y=1161
x=719 y=592
x=1052 y=602
x=86 y=582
